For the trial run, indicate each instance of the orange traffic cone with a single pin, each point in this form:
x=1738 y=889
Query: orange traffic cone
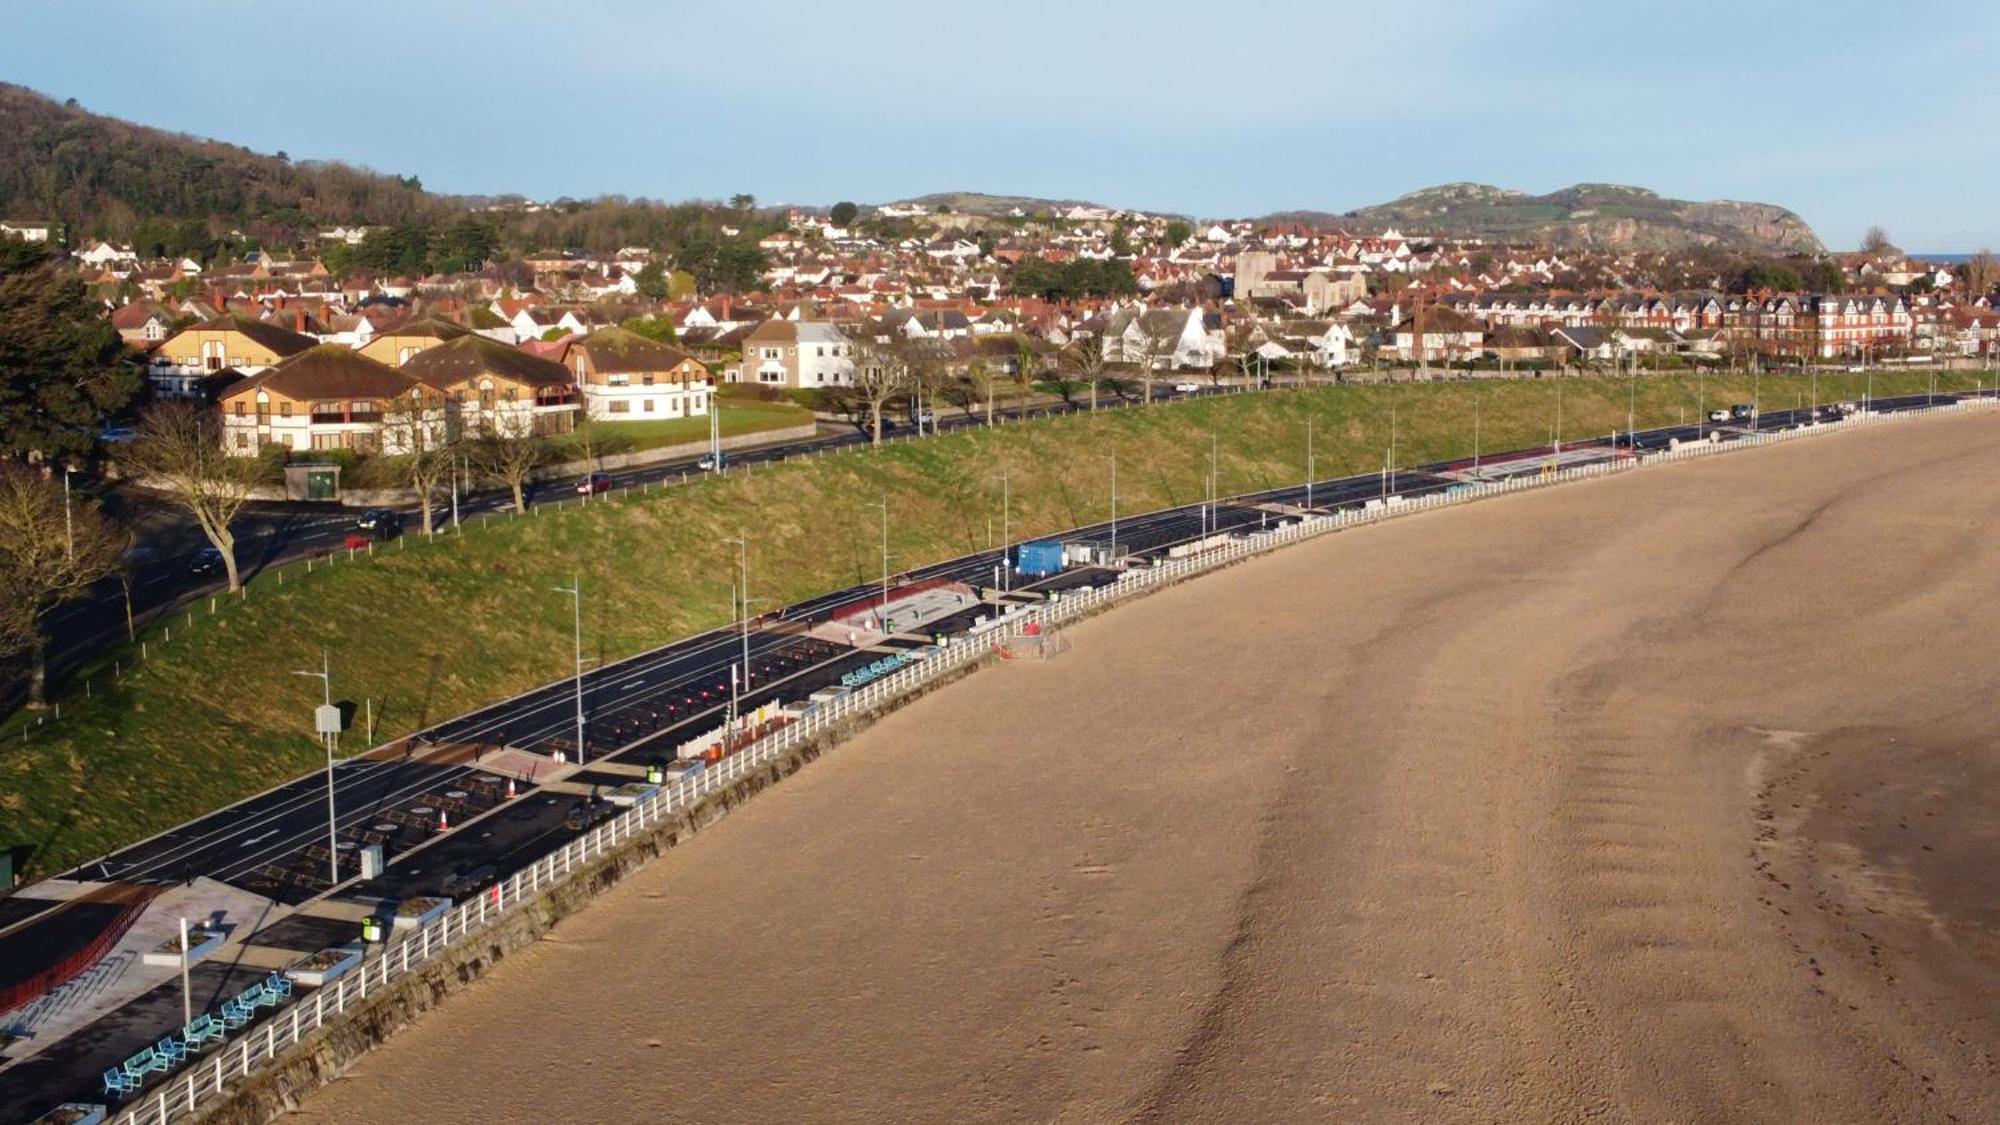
x=510 y=789
x=444 y=824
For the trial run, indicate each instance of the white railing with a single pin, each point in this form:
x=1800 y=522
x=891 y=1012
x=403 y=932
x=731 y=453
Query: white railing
x=209 y=1075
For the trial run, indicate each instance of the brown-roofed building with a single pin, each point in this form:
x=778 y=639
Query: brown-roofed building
x=624 y=375
x=327 y=397
x=495 y=389
x=395 y=346
x=189 y=357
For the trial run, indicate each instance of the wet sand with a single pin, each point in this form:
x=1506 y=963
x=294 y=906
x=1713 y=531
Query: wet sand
x=1660 y=798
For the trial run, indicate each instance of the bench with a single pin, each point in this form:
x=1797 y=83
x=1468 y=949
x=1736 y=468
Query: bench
x=146 y=1062
x=279 y=985
x=116 y=1081
x=235 y=1014
x=173 y=1050
x=256 y=996
x=203 y=1029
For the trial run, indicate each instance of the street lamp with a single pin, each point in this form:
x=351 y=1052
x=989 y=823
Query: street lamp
x=1114 y=505
x=1309 y=462
x=1006 y=532
x=884 y=505
x=326 y=722
x=743 y=569
x=575 y=592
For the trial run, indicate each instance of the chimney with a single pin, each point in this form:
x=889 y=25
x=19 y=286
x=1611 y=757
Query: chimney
x=299 y=320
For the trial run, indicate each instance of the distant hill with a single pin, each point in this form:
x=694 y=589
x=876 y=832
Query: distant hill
x=104 y=177
x=980 y=203
x=1609 y=216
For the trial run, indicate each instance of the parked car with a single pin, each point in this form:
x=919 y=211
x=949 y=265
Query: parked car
x=1718 y=415
x=205 y=562
x=1187 y=388
x=710 y=462
x=594 y=484
x=1743 y=412
x=926 y=418
x=383 y=523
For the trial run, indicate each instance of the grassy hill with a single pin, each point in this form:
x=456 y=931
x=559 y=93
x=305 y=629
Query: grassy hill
x=1586 y=215
x=436 y=628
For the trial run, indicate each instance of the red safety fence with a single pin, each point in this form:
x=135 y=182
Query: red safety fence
x=60 y=973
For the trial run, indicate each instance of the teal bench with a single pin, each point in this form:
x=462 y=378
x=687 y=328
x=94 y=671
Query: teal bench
x=203 y=1029
x=117 y=1082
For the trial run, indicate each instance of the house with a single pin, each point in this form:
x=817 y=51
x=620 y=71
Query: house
x=1330 y=345
x=496 y=389
x=231 y=341
x=1161 y=338
x=396 y=346
x=624 y=375
x=141 y=323
x=27 y=230
x=329 y=397
x=534 y=323
x=1447 y=335
x=797 y=354
x=103 y=255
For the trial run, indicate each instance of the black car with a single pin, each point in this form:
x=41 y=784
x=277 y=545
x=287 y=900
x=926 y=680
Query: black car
x=382 y=521
x=205 y=562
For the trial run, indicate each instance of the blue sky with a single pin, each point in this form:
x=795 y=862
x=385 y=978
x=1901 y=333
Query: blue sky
x=1850 y=113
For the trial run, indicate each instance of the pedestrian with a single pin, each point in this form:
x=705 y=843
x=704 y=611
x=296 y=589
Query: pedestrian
x=187 y=874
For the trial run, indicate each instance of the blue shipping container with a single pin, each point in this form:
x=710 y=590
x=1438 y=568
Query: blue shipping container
x=1039 y=560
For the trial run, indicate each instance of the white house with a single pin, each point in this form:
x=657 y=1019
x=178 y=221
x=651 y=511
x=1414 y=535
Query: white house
x=626 y=376
x=797 y=354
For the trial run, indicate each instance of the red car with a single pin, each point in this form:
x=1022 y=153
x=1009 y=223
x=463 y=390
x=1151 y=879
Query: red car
x=594 y=484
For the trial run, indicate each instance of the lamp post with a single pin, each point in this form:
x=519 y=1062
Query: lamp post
x=1309 y=462
x=575 y=592
x=326 y=722
x=1208 y=514
x=1114 y=505
x=743 y=570
x=1006 y=532
x=883 y=504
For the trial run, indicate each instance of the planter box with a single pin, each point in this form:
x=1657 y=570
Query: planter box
x=201 y=943
x=326 y=966
x=72 y=1113
x=630 y=793
x=416 y=913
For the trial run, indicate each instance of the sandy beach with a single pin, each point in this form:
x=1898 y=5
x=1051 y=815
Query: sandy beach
x=1667 y=797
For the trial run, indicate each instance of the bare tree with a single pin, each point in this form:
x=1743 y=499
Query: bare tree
x=418 y=431
x=510 y=454
x=1979 y=273
x=49 y=554
x=983 y=377
x=1876 y=241
x=879 y=375
x=1083 y=362
x=179 y=451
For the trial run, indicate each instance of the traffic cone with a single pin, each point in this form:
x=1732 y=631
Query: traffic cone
x=444 y=823
x=510 y=789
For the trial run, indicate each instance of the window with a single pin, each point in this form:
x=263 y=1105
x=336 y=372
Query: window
x=242 y=440
x=619 y=380
x=618 y=406
x=284 y=410
x=242 y=408
x=647 y=378
x=649 y=406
